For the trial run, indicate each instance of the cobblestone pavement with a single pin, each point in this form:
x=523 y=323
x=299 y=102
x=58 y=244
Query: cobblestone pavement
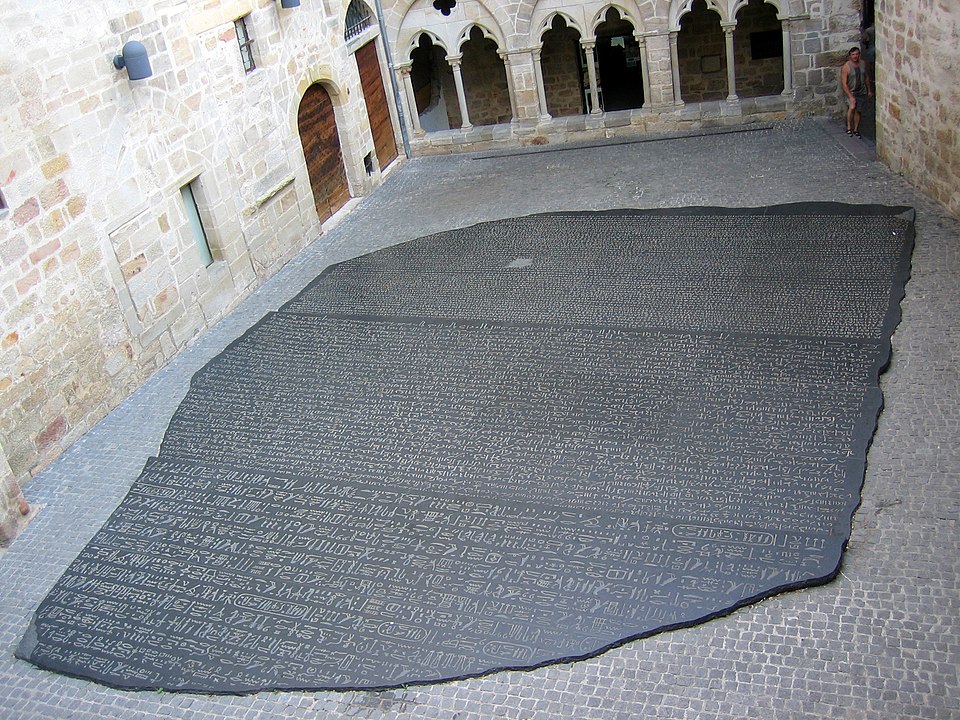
x=881 y=641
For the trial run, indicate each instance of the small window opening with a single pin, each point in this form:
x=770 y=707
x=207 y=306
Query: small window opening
x=368 y=163
x=196 y=224
x=357 y=20
x=3 y=206
x=246 y=44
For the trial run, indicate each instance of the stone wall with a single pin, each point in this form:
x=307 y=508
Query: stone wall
x=918 y=98
x=485 y=82
x=101 y=280
x=702 y=54
x=757 y=76
x=560 y=60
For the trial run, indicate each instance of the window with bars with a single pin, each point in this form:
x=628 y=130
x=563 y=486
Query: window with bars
x=246 y=44
x=357 y=20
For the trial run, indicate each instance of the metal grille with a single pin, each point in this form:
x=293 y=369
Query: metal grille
x=246 y=45
x=358 y=19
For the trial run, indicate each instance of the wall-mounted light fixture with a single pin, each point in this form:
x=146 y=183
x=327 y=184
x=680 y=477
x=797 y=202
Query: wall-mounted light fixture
x=133 y=57
x=289 y=3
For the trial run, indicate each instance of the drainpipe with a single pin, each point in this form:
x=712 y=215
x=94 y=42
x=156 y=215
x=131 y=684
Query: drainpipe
x=393 y=78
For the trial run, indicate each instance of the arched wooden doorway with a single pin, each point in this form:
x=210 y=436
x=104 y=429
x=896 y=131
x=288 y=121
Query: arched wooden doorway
x=321 y=149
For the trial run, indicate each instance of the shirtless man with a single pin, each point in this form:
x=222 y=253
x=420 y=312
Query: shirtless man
x=855 y=81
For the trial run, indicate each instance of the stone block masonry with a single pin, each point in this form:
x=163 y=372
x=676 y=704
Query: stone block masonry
x=918 y=101
x=103 y=277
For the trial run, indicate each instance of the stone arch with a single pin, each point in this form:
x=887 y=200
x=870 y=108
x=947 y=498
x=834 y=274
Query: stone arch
x=701 y=53
x=759 y=54
x=780 y=5
x=679 y=8
x=414 y=43
x=322 y=147
x=562 y=62
x=432 y=81
x=619 y=59
x=543 y=14
x=163 y=128
x=486 y=31
x=485 y=85
x=546 y=24
x=628 y=11
x=420 y=15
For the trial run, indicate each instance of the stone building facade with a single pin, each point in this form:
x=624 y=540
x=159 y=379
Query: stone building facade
x=598 y=68
x=136 y=213
x=918 y=97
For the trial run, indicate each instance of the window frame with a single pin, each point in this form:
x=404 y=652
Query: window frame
x=191 y=209
x=246 y=44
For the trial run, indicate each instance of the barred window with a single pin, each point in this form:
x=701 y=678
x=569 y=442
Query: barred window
x=358 y=19
x=246 y=44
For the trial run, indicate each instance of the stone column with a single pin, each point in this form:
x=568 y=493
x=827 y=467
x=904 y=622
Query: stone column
x=541 y=90
x=588 y=46
x=787 y=58
x=455 y=61
x=675 y=66
x=644 y=61
x=731 y=68
x=409 y=98
x=511 y=91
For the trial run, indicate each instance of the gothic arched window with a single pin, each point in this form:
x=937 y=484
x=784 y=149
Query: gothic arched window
x=358 y=19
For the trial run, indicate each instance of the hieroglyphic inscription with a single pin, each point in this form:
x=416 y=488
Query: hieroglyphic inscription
x=823 y=275
x=312 y=582
x=751 y=430
x=497 y=447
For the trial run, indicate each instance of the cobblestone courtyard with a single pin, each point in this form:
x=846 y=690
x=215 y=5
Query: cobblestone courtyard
x=881 y=641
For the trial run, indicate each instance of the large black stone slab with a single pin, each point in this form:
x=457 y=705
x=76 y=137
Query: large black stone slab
x=499 y=447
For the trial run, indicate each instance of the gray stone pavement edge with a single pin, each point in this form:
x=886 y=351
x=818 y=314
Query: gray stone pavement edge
x=881 y=641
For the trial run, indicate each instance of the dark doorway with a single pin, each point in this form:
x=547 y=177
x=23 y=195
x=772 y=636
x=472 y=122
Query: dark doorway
x=618 y=58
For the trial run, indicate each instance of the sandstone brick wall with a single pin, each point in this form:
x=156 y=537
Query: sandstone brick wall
x=560 y=60
x=701 y=50
x=485 y=83
x=761 y=76
x=101 y=282
x=918 y=96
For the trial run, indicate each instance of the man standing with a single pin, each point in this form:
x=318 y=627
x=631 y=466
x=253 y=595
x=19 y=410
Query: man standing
x=855 y=81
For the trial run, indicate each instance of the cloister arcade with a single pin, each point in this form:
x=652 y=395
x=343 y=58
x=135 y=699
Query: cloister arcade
x=463 y=63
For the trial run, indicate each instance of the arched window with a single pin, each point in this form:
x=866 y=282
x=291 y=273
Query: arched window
x=358 y=19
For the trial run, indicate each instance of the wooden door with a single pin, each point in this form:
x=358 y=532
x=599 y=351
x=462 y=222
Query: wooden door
x=384 y=141
x=321 y=148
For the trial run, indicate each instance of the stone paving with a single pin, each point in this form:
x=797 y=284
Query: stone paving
x=881 y=641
